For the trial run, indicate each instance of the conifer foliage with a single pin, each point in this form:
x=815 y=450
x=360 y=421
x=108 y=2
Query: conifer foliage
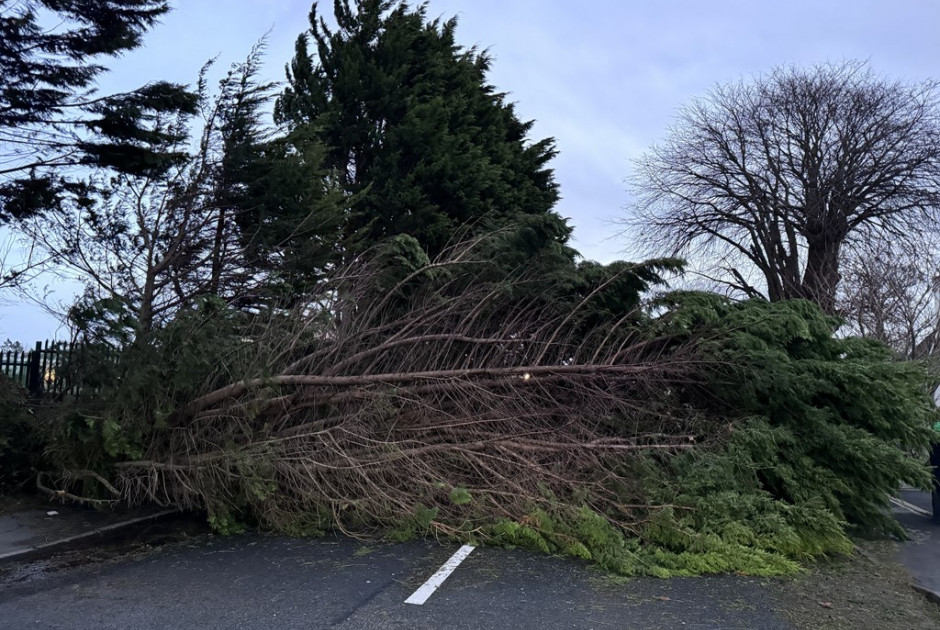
x=50 y=115
x=822 y=421
x=417 y=138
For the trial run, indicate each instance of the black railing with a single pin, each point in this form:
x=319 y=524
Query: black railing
x=51 y=368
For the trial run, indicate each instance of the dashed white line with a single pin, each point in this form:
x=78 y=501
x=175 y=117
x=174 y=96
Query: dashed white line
x=427 y=589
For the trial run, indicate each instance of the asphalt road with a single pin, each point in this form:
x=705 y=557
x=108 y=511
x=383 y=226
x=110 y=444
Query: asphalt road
x=272 y=582
x=921 y=555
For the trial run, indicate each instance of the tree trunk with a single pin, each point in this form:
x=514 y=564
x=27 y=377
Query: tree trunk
x=821 y=277
x=218 y=246
x=145 y=311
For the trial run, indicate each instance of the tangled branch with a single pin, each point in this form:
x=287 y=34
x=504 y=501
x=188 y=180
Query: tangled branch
x=473 y=398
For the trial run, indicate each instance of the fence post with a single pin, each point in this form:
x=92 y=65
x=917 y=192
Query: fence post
x=33 y=372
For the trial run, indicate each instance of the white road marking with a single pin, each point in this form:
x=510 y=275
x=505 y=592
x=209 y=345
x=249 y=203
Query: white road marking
x=427 y=589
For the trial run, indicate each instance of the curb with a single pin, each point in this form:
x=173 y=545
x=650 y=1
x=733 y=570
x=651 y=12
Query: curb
x=910 y=507
x=84 y=539
x=930 y=594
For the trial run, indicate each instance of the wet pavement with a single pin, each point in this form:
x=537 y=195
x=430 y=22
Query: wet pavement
x=259 y=581
x=30 y=527
x=921 y=554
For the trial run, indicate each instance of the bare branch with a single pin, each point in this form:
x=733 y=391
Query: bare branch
x=783 y=170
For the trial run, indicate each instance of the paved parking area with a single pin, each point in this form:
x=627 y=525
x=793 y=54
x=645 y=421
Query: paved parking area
x=272 y=582
x=921 y=554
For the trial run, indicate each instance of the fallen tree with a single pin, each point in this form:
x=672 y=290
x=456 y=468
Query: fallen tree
x=456 y=400
x=413 y=397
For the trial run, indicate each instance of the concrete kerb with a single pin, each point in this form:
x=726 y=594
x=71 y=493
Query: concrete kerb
x=910 y=507
x=930 y=594
x=85 y=539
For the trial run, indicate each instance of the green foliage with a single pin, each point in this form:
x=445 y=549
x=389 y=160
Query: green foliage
x=289 y=216
x=227 y=524
x=46 y=76
x=106 y=322
x=141 y=383
x=397 y=260
x=417 y=138
x=80 y=440
x=830 y=418
x=460 y=496
x=720 y=502
x=663 y=550
x=612 y=294
x=275 y=188
x=417 y=525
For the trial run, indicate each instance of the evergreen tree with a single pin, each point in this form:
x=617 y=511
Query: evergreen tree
x=415 y=135
x=289 y=213
x=50 y=116
x=272 y=189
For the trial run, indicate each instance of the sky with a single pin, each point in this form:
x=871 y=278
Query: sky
x=605 y=78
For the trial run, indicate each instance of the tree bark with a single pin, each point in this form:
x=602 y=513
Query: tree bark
x=821 y=277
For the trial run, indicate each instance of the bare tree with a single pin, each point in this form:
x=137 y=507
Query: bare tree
x=890 y=292
x=779 y=174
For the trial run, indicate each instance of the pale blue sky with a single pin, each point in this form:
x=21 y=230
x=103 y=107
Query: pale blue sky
x=604 y=77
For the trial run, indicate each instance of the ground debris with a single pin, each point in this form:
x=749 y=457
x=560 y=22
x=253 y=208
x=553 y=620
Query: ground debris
x=880 y=597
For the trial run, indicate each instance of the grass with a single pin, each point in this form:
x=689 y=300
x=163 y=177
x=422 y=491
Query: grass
x=362 y=551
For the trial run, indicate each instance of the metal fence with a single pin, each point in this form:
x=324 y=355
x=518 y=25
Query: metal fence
x=51 y=368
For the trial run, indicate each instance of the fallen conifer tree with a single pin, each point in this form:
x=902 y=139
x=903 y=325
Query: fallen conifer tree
x=417 y=398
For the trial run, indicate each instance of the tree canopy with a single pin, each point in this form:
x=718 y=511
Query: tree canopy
x=50 y=114
x=415 y=136
x=242 y=217
x=781 y=173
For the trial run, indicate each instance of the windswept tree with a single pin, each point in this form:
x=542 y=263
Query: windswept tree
x=418 y=140
x=51 y=116
x=216 y=224
x=778 y=175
